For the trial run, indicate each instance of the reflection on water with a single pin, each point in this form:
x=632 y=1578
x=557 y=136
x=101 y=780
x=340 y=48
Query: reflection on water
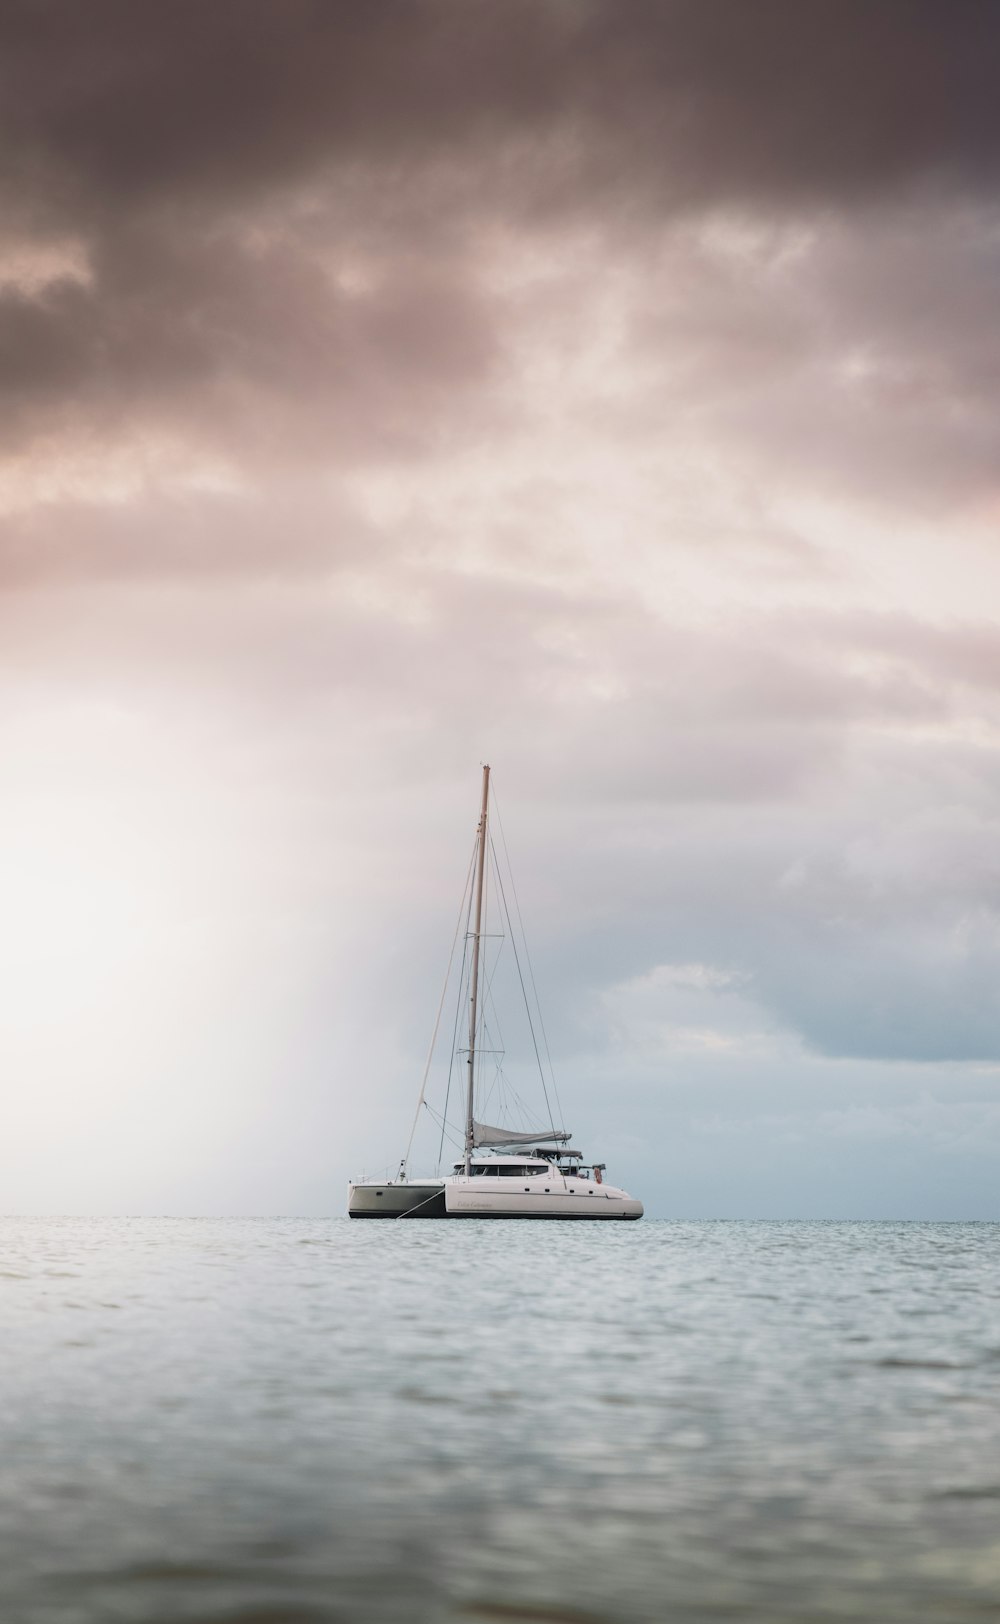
x=295 y=1421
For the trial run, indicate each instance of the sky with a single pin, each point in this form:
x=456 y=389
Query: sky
x=604 y=389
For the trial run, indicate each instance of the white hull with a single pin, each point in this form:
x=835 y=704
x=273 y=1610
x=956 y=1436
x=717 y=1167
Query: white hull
x=477 y=1197
x=467 y=1198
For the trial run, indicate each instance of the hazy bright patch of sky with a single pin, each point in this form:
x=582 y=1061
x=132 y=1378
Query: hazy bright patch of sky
x=607 y=391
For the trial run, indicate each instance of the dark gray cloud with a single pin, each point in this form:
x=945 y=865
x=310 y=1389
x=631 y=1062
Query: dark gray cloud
x=159 y=135
x=251 y=351
x=129 y=104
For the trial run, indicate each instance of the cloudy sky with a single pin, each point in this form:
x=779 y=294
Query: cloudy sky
x=607 y=389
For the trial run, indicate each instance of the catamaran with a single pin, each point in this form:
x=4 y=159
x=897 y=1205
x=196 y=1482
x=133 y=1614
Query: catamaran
x=504 y=1171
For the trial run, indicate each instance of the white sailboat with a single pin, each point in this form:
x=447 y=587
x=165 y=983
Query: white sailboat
x=504 y=1172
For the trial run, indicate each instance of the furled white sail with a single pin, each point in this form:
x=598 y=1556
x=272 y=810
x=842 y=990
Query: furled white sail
x=484 y=1135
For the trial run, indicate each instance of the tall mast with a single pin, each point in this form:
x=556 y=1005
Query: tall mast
x=480 y=866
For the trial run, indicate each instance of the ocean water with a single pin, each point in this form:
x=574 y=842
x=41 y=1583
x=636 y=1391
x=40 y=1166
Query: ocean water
x=281 y=1421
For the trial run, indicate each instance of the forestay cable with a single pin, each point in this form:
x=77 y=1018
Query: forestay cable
x=437 y=1023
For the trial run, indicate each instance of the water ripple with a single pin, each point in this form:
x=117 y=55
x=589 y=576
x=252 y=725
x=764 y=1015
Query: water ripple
x=305 y=1422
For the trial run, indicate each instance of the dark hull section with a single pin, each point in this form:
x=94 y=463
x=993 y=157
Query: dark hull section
x=396 y=1201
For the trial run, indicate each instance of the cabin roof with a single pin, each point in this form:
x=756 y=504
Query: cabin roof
x=490 y=1158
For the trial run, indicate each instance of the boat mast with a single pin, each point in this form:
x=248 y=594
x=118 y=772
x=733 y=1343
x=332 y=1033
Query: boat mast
x=480 y=866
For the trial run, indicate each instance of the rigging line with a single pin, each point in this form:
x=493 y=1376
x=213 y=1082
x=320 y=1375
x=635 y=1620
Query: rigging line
x=517 y=1103
x=485 y=981
x=486 y=974
x=444 y=1127
x=437 y=1020
x=491 y=1043
x=488 y=980
x=411 y=1210
x=459 y=1003
x=527 y=955
x=508 y=1096
x=489 y=972
x=524 y=992
x=454 y=1050
x=495 y=1049
x=501 y=936
x=463 y=982
x=490 y=1031
x=531 y=975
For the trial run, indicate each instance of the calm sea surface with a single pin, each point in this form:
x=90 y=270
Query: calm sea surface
x=281 y=1421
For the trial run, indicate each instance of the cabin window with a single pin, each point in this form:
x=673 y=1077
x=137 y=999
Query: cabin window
x=501 y=1170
